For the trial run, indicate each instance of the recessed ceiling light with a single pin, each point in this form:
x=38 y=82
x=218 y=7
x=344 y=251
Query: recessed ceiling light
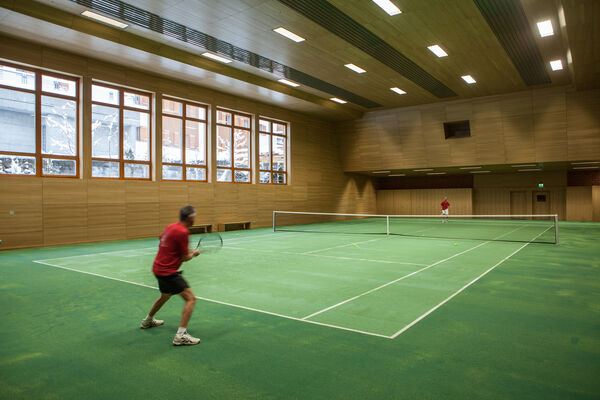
x=289 y=83
x=585 y=162
x=479 y=172
x=381 y=172
x=397 y=90
x=436 y=173
x=469 y=167
x=523 y=165
x=338 y=100
x=423 y=169
x=556 y=65
x=545 y=28
x=355 y=68
x=586 y=167
x=104 y=19
x=290 y=35
x=216 y=57
x=437 y=50
x=388 y=7
x=397 y=175
x=529 y=169
x=469 y=79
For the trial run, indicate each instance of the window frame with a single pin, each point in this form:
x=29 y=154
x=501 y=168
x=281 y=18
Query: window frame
x=38 y=93
x=271 y=171
x=233 y=128
x=183 y=117
x=122 y=108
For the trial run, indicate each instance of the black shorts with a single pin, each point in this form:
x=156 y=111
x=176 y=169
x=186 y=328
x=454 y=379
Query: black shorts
x=172 y=284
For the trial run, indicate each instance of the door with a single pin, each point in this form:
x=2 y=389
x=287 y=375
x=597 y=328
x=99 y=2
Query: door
x=541 y=203
x=518 y=202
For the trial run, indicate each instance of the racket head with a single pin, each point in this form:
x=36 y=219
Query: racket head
x=209 y=243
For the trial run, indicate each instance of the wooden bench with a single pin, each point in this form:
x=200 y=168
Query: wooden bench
x=204 y=228
x=234 y=226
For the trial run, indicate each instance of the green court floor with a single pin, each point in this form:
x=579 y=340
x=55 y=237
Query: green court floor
x=309 y=315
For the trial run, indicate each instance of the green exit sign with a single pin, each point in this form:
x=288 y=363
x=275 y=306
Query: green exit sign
x=541 y=185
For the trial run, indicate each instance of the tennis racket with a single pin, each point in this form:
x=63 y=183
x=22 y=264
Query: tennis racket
x=209 y=243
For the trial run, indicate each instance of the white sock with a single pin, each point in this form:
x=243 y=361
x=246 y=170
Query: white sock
x=181 y=331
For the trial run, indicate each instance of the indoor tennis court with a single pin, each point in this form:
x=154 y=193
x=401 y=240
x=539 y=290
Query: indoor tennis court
x=299 y=199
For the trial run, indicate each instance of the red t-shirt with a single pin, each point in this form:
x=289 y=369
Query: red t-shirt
x=173 y=245
x=445 y=205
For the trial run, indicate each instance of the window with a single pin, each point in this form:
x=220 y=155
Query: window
x=121 y=139
x=457 y=129
x=233 y=147
x=39 y=129
x=273 y=151
x=184 y=140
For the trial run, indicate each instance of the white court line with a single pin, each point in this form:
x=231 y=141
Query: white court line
x=215 y=301
x=390 y=283
x=405 y=276
x=463 y=288
x=344 y=245
x=324 y=256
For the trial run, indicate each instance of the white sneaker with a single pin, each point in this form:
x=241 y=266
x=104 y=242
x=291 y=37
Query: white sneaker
x=151 y=323
x=185 y=339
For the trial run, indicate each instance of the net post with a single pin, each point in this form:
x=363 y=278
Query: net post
x=387 y=225
x=556 y=229
x=274 y=213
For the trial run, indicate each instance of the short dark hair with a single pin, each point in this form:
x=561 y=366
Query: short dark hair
x=185 y=212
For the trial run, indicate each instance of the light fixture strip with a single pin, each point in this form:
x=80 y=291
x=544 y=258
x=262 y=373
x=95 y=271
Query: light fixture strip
x=289 y=83
x=423 y=169
x=104 y=19
x=388 y=7
x=338 y=100
x=529 y=169
x=355 y=68
x=479 y=172
x=586 y=167
x=397 y=90
x=470 y=168
x=436 y=173
x=381 y=172
x=288 y=34
x=523 y=165
x=437 y=50
x=216 y=57
x=585 y=162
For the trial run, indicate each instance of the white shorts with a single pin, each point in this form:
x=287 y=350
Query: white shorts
x=445 y=212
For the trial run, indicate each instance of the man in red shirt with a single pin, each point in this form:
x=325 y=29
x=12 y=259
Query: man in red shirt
x=445 y=205
x=172 y=252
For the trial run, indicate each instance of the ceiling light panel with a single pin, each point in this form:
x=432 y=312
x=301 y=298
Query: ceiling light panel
x=289 y=83
x=556 y=65
x=104 y=19
x=397 y=90
x=355 y=68
x=288 y=34
x=545 y=28
x=469 y=79
x=338 y=100
x=438 y=51
x=216 y=58
x=388 y=7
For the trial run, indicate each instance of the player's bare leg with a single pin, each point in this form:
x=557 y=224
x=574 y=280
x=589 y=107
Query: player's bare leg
x=149 y=321
x=182 y=338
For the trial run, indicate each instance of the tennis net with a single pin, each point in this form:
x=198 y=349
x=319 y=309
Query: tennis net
x=510 y=228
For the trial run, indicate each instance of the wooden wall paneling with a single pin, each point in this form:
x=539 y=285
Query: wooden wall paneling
x=550 y=136
x=22 y=196
x=558 y=202
x=141 y=209
x=596 y=203
x=385 y=201
x=583 y=125
x=579 y=203
x=65 y=210
x=491 y=201
x=519 y=144
x=107 y=209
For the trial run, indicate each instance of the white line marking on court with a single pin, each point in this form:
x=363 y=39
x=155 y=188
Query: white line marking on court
x=405 y=276
x=324 y=256
x=214 y=301
x=344 y=245
x=391 y=282
x=461 y=289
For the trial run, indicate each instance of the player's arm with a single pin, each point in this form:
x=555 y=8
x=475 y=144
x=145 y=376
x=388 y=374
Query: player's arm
x=187 y=255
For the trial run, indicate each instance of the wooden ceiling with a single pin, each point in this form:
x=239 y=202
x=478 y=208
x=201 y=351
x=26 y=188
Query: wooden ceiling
x=458 y=26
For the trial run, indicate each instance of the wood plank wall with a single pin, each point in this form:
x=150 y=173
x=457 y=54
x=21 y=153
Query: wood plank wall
x=423 y=201
x=538 y=125
x=49 y=211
